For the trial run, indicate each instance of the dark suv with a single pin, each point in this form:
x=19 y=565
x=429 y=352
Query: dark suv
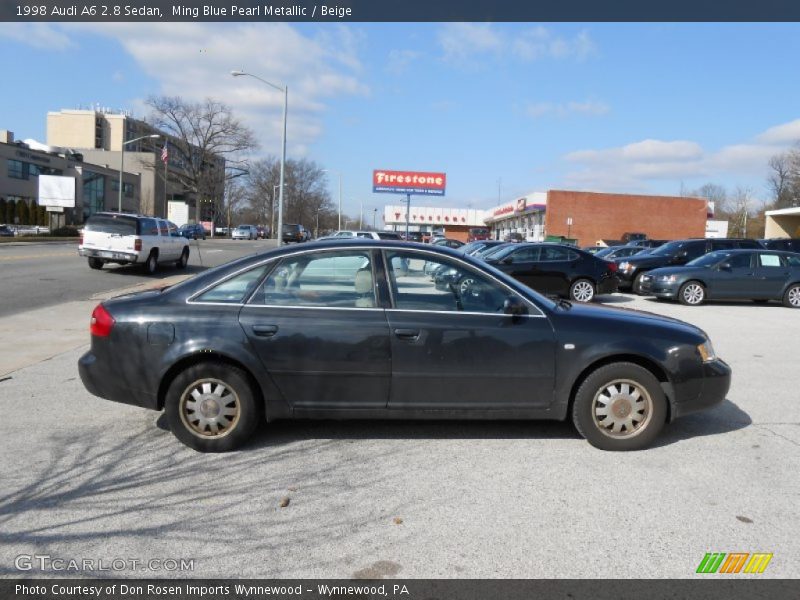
x=787 y=244
x=293 y=232
x=678 y=252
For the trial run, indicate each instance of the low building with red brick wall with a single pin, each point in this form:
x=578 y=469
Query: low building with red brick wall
x=589 y=217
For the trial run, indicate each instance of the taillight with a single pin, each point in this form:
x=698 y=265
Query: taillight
x=137 y=245
x=102 y=322
x=80 y=240
x=612 y=266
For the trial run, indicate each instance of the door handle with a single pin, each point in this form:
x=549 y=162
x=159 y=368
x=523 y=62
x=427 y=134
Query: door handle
x=265 y=330
x=407 y=334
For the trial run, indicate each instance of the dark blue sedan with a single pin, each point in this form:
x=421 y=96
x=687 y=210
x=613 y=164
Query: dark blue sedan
x=759 y=275
x=354 y=329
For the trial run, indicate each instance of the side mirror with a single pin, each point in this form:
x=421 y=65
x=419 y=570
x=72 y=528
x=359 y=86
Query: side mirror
x=507 y=260
x=514 y=305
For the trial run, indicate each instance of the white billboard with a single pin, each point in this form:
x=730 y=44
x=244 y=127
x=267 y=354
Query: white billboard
x=178 y=212
x=56 y=190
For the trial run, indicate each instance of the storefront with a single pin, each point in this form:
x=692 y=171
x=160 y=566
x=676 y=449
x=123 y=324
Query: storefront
x=524 y=216
x=452 y=222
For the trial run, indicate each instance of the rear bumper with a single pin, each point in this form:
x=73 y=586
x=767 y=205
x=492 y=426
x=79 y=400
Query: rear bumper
x=111 y=255
x=715 y=382
x=106 y=384
x=607 y=285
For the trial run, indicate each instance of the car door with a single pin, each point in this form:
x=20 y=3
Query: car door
x=316 y=324
x=771 y=274
x=454 y=348
x=555 y=270
x=166 y=244
x=521 y=264
x=734 y=277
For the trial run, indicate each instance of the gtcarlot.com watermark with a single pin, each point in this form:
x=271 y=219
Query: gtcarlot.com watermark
x=48 y=563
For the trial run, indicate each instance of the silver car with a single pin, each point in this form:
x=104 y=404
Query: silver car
x=245 y=232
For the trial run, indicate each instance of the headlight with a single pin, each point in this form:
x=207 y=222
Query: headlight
x=667 y=278
x=625 y=267
x=706 y=351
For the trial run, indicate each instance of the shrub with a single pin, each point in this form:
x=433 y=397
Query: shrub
x=65 y=232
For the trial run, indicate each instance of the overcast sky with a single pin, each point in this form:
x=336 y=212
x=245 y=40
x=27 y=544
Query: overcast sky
x=503 y=109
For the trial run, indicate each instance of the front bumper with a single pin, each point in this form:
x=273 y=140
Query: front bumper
x=714 y=383
x=106 y=384
x=650 y=286
x=111 y=255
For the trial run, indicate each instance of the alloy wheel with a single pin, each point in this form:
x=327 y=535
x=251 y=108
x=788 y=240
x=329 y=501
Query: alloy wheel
x=693 y=293
x=622 y=408
x=209 y=408
x=583 y=291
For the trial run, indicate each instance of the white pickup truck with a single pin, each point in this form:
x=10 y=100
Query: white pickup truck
x=132 y=239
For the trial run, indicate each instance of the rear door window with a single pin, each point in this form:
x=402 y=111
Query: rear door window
x=148 y=227
x=116 y=224
x=769 y=260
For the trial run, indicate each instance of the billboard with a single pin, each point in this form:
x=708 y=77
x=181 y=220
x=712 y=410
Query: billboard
x=408 y=182
x=55 y=190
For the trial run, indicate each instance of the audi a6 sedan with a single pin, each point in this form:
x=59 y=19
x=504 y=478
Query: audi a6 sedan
x=355 y=329
x=759 y=275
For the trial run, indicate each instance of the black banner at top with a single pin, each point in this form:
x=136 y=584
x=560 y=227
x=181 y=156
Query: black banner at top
x=400 y=10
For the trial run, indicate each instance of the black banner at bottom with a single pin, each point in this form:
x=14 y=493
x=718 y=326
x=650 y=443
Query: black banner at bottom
x=398 y=589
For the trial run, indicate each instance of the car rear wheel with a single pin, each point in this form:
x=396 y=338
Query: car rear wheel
x=620 y=406
x=791 y=298
x=211 y=407
x=95 y=263
x=152 y=263
x=582 y=290
x=183 y=260
x=692 y=293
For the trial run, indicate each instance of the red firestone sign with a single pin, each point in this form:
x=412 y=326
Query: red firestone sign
x=409 y=182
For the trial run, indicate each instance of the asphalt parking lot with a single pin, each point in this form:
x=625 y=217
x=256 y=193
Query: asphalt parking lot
x=89 y=479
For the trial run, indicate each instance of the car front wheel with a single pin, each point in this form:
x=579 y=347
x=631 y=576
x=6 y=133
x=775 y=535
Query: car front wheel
x=582 y=290
x=183 y=260
x=211 y=407
x=791 y=298
x=620 y=406
x=692 y=293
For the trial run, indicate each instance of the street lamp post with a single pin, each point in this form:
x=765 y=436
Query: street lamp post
x=374 y=216
x=272 y=212
x=285 y=90
x=122 y=164
x=340 y=193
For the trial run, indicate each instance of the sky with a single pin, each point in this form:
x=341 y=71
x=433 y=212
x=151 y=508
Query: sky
x=502 y=109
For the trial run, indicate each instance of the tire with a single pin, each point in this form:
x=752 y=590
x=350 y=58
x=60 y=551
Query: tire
x=582 y=290
x=636 y=287
x=152 y=263
x=95 y=263
x=692 y=293
x=609 y=400
x=212 y=431
x=183 y=260
x=791 y=298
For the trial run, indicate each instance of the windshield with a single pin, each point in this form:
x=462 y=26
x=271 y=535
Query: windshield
x=667 y=249
x=709 y=259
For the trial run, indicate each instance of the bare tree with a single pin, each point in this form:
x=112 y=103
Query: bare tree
x=233 y=202
x=206 y=143
x=741 y=204
x=784 y=178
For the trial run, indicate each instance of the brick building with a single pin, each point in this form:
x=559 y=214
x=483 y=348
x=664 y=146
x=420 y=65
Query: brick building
x=589 y=217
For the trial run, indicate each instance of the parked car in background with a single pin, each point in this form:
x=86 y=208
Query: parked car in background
x=345 y=234
x=647 y=243
x=473 y=248
x=389 y=235
x=557 y=269
x=6 y=231
x=759 y=275
x=674 y=253
x=414 y=236
x=613 y=252
x=477 y=234
x=787 y=244
x=261 y=231
x=192 y=232
x=450 y=243
x=593 y=249
x=294 y=232
x=514 y=236
x=123 y=238
x=497 y=349
x=245 y=232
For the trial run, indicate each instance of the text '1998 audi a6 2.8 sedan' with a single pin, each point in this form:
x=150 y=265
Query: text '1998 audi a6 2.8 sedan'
x=355 y=330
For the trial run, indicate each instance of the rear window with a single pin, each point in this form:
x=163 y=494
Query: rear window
x=117 y=224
